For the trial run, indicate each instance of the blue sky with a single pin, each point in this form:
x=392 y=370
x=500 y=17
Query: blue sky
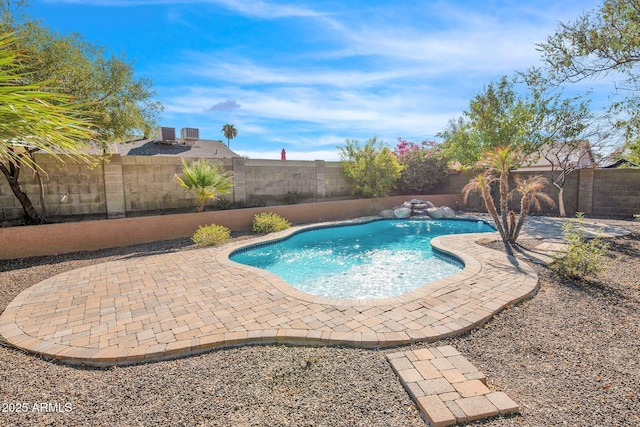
x=306 y=75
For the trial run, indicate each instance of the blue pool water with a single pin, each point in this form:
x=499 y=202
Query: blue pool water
x=377 y=259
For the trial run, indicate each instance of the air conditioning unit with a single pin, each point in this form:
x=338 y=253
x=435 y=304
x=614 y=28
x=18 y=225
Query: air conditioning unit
x=190 y=133
x=166 y=135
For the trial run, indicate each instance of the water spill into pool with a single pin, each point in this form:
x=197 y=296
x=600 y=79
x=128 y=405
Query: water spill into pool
x=378 y=259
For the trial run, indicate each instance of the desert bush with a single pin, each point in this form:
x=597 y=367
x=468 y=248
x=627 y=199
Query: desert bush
x=269 y=222
x=423 y=166
x=372 y=169
x=211 y=235
x=584 y=257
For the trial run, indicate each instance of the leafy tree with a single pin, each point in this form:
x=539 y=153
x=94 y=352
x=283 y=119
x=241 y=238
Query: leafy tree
x=102 y=87
x=229 y=132
x=569 y=131
x=423 y=166
x=373 y=169
x=121 y=104
x=540 y=123
x=632 y=151
x=599 y=44
x=629 y=151
x=205 y=179
x=34 y=117
x=496 y=117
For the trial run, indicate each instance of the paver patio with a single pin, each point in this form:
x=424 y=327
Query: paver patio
x=175 y=304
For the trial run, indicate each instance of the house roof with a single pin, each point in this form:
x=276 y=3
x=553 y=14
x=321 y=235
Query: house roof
x=179 y=148
x=621 y=162
x=581 y=155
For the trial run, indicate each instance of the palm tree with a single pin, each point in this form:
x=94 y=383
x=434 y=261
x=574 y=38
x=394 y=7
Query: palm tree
x=482 y=184
x=531 y=191
x=205 y=179
x=35 y=118
x=499 y=162
x=229 y=132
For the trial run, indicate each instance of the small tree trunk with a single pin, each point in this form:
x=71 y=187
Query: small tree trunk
x=563 y=213
x=524 y=211
x=512 y=226
x=504 y=202
x=491 y=207
x=30 y=212
x=43 y=205
x=12 y=174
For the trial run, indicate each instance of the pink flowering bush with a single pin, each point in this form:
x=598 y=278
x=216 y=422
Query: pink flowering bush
x=423 y=166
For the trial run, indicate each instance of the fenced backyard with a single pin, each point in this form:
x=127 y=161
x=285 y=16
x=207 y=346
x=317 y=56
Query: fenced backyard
x=125 y=186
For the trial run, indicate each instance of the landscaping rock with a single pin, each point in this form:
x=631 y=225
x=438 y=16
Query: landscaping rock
x=402 y=212
x=387 y=213
x=418 y=207
x=435 y=213
x=448 y=212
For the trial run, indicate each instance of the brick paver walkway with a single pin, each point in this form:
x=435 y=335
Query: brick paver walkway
x=161 y=306
x=447 y=388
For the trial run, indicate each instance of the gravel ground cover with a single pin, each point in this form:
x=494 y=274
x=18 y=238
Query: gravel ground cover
x=568 y=356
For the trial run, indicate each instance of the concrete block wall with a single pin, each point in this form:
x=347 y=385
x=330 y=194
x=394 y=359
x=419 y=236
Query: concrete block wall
x=273 y=179
x=571 y=194
x=335 y=184
x=149 y=184
x=579 y=191
x=123 y=185
x=585 y=187
x=616 y=192
x=83 y=186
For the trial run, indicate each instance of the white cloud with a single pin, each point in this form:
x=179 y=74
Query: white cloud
x=242 y=71
x=359 y=70
x=411 y=111
x=262 y=9
x=255 y=8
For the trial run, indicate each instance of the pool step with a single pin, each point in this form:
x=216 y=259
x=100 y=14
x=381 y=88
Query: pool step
x=447 y=388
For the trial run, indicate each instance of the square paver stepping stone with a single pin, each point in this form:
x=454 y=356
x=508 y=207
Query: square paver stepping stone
x=447 y=388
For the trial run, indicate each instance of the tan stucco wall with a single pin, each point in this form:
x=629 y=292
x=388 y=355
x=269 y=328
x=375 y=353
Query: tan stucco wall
x=49 y=239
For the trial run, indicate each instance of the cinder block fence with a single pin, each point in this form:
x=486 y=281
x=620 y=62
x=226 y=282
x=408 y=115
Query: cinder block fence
x=124 y=186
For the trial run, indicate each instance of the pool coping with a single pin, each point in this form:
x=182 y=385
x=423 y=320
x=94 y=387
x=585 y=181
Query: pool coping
x=165 y=306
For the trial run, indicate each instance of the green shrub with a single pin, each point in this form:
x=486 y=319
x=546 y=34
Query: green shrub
x=584 y=257
x=269 y=222
x=372 y=169
x=211 y=235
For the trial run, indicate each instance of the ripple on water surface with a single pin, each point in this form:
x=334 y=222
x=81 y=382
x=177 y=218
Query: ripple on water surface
x=378 y=259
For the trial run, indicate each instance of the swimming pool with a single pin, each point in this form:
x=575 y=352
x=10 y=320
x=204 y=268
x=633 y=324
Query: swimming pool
x=377 y=259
